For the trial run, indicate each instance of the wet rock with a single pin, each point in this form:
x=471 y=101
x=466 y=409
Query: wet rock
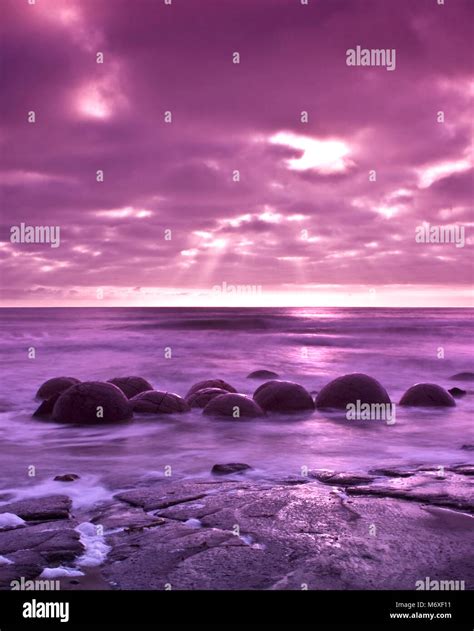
x=463 y=469
x=427 y=395
x=463 y=376
x=230 y=467
x=56 y=385
x=349 y=389
x=263 y=374
x=210 y=383
x=201 y=398
x=283 y=396
x=166 y=494
x=457 y=392
x=340 y=478
x=156 y=402
x=289 y=535
x=233 y=406
x=36 y=547
x=439 y=488
x=41 y=508
x=67 y=477
x=92 y=402
x=131 y=386
x=393 y=472
x=46 y=407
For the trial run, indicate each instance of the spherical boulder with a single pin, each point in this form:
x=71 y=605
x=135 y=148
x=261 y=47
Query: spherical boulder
x=263 y=374
x=233 y=406
x=56 y=385
x=349 y=389
x=283 y=396
x=131 y=386
x=157 y=402
x=427 y=395
x=92 y=402
x=463 y=376
x=210 y=383
x=46 y=407
x=201 y=398
x=457 y=392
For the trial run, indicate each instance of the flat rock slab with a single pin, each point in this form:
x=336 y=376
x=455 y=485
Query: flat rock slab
x=164 y=494
x=449 y=489
x=342 y=479
x=40 y=509
x=34 y=547
x=262 y=536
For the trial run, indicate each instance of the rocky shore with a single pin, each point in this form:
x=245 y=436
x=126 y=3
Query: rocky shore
x=384 y=529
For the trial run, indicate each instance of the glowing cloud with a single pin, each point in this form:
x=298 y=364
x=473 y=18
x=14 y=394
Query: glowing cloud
x=324 y=156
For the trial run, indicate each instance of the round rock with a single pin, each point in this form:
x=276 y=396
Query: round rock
x=427 y=395
x=92 y=402
x=210 y=383
x=263 y=374
x=283 y=396
x=131 y=386
x=201 y=398
x=156 y=402
x=233 y=406
x=457 y=392
x=56 y=385
x=349 y=389
x=463 y=376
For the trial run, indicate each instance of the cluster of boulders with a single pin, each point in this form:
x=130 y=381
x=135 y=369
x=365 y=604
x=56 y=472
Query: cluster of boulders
x=67 y=400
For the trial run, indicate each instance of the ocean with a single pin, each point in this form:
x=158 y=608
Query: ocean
x=174 y=348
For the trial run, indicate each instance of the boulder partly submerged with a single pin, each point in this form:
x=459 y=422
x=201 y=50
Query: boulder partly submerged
x=427 y=395
x=349 y=389
x=233 y=406
x=201 y=398
x=131 y=386
x=92 y=402
x=263 y=374
x=56 y=385
x=457 y=392
x=210 y=383
x=463 y=376
x=157 y=402
x=283 y=396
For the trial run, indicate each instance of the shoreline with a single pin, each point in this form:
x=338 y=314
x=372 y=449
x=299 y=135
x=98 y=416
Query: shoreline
x=327 y=530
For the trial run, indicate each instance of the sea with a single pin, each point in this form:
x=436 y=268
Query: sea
x=174 y=348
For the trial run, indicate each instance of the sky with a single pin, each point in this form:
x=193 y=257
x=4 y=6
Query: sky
x=177 y=176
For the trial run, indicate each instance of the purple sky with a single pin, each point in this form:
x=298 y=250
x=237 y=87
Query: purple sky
x=305 y=224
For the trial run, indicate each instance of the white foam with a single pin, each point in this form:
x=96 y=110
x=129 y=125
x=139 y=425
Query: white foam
x=55 y=572
x=84 y=492
x=10 y=520
x=193 y=523
x=5 y=561
x=96 y=550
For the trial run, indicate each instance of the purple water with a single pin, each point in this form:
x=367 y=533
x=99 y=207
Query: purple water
x=310 y=346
